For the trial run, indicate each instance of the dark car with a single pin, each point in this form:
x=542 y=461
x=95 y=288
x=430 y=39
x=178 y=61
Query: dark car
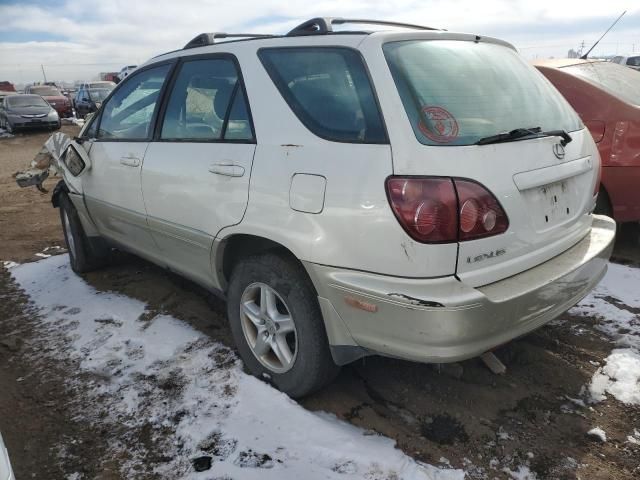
x=607 y=98
x=88 y=99
x=55 y=98
x=27 y=111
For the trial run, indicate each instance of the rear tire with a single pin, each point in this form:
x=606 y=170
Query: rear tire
x=295 y=351
x=85 y=254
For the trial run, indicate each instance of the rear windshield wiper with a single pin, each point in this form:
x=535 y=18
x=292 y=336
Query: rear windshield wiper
x=523 y=133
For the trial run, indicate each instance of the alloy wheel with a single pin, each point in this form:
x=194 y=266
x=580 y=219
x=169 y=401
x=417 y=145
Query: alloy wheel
x=268 y=327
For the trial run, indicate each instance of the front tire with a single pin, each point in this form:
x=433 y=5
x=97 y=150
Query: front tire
x=85 y=254
x=277 y=324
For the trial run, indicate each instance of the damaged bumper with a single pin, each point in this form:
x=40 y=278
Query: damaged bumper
x=44 y=163
x=443 y=319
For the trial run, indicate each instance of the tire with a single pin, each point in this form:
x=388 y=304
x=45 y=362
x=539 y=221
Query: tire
x=603 y=204
x=85 y=254
x=311 y=366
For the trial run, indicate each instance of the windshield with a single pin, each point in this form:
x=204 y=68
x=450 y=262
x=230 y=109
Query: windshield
x=16 y=101
x=619 y=81
x=98 y=94
x=457 y=92
x=45 y=90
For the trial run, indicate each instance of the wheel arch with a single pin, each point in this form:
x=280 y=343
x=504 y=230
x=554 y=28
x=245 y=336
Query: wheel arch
x=237 y=246
x=60 y=188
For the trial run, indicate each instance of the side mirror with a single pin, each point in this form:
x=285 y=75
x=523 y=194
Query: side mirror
x=75 y=162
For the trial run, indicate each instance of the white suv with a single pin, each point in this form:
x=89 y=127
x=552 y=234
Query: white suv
x=420 y=194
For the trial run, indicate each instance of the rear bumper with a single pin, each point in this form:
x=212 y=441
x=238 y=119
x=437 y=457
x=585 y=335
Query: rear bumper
x=445 y=320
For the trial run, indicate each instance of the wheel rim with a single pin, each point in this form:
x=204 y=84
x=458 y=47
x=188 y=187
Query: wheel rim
x=268 y=327
x=67 y=230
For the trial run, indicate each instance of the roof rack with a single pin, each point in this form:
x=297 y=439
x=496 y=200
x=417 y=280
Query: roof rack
x=210 y=38
x=324 y=25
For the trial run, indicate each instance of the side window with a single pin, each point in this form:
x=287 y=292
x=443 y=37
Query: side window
x=207 y=103
x=329 y=90
x=129 y=112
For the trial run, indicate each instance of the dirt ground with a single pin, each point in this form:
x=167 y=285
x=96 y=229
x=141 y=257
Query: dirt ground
x=459 y=413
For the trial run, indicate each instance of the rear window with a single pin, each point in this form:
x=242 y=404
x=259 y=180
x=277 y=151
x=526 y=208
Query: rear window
x=329 y=91
x=619 y=81
x=45 y=90
x=457 y=92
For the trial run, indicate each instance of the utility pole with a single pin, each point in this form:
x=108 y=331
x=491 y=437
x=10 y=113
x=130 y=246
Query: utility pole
x=43 y=74
x=581 y=49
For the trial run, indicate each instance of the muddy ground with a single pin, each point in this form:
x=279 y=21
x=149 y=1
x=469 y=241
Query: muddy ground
x=462 y=413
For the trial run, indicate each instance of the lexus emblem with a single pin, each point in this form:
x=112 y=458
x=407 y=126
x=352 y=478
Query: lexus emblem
x=558 y=151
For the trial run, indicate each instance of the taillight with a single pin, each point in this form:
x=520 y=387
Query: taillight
x=443 y=210
x=480 y=213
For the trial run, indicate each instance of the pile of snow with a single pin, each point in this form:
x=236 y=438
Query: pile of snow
x=162 y=372
x=620 y=377
x=598 y=433
x=615 y=303
x=73 y=121
x=5 y=134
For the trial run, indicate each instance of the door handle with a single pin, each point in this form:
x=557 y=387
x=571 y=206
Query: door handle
x=130 y=161
x=227 y=169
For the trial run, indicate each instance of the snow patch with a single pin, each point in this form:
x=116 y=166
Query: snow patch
x=165 y=374
x=9 y=264
x=598 y=433
x=620 y=377
x=615 y=303
x=522 y=473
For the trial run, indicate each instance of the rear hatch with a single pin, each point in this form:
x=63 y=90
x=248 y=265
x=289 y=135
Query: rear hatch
x=455 y=91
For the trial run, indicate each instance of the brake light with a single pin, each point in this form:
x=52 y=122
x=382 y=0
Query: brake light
x=445 y=210
x=480 y=213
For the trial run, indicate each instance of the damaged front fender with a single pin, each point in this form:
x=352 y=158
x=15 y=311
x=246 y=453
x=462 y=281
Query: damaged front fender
x=45 y=163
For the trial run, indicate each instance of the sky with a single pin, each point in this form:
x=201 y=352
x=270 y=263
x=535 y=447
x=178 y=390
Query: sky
x=78 y=39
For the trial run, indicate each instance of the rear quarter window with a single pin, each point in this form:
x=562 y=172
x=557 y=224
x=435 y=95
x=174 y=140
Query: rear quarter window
x=329 y=90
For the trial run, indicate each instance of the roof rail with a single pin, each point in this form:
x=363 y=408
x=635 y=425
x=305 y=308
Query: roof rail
x=210 y=38
x=324 y=25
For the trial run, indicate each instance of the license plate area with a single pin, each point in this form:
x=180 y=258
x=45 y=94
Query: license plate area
x=552 y=204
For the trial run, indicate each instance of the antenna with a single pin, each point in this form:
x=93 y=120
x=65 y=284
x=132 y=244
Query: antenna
x=584 y=57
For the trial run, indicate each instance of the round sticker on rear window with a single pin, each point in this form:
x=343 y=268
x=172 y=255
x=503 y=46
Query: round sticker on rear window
x=440 y=125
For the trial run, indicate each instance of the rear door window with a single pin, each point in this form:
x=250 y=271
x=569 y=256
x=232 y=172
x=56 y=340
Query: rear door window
x=329 y=90
x=207 y=103
x=457 y=92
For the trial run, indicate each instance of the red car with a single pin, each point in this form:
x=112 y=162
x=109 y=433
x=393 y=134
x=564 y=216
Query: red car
x=54 y=97
x=607 y=98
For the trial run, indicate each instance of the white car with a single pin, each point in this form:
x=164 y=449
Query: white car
x=420 y=194
x=126 y=71
x=631 y=61
x=6 y=473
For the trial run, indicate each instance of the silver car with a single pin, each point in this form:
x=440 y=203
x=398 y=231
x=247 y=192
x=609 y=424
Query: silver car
x=20 y=112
